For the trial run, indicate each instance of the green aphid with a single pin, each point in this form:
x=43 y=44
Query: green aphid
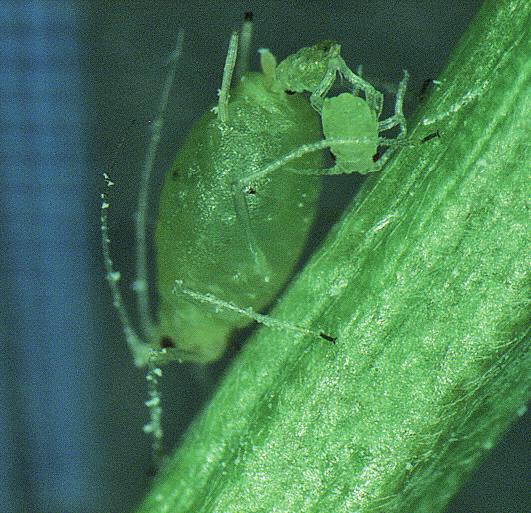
x=202 y=237
x=233 y=215
x=237 y=205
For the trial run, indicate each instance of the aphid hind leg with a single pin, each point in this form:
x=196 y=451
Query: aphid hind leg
x=337 y=65
x=266 y=320
x=398 y=118
x=141 y=349
x=140 y=285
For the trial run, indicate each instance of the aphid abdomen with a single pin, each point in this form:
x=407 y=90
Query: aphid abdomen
x=346 y=116
x=199 y=237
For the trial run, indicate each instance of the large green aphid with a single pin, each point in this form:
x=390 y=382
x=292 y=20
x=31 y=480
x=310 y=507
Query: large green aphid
x=202 y=237
x=234 y=213
x=237 y=204
x=239 y=200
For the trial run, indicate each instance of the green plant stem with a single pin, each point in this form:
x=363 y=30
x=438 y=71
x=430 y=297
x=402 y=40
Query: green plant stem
x=425 y=283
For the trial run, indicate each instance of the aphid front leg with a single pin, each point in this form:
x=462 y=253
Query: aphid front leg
x=337 y=65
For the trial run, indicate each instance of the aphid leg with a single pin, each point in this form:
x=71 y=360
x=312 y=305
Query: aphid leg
x=381 y=85
x=240 y=199
x=372 y=96
x=224 y=92
x=270 y=322
x=337 y=65
x=398 y=118
x=297 y=154
x=138 y=348
x=317 y=97
x=154 y=426
x=244 y=50
x=142 y=352
x=356 y=88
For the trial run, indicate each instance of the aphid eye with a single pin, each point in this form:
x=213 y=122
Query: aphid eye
x=290 y=92
x=166 y=343
x=251 y=190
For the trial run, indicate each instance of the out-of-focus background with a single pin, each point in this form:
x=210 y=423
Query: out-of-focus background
x=73 y=77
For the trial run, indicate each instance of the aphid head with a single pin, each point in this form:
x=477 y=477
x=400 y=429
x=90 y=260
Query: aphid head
x=305 y=69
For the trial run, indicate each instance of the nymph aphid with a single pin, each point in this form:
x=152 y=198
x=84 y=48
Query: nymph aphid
x=237 y=204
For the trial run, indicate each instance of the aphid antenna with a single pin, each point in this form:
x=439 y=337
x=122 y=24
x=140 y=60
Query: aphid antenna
x=140 y=285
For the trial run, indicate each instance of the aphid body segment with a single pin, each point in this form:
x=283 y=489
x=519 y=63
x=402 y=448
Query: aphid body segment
x=350 y=117
x=240 y=250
